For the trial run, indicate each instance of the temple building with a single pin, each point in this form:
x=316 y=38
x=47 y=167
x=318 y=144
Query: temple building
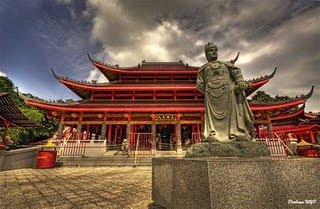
x=158 y=103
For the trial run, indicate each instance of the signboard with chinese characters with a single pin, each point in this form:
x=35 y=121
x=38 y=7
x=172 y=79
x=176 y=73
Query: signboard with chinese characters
x=165 y=117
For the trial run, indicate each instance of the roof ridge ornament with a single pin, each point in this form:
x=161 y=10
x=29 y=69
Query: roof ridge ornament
x=58 y=77
x=309 y=94
x=273 y=73
x=89 y=57
x=263 y=77
x=235 y=59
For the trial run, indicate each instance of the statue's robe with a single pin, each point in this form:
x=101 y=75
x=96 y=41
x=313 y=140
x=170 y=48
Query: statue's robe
x=227 y=112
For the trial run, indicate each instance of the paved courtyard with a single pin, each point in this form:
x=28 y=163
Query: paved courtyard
x=71 y=187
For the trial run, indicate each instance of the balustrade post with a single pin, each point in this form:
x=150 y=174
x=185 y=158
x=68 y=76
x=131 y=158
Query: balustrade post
x=109 y=133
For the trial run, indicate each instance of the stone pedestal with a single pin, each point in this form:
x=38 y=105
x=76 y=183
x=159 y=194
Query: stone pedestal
x=230 y=149
x=236 y=183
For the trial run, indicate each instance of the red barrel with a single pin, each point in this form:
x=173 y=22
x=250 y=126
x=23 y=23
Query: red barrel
x=46 y=158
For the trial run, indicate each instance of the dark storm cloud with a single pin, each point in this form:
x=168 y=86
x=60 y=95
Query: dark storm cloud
x=228 y=23
x=283 y=33
x=268 y=34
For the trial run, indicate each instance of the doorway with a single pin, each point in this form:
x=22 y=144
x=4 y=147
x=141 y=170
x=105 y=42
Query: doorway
x=165 y=136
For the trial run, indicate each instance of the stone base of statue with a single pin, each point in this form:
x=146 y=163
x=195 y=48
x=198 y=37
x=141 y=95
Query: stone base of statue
x=228 y=149
x=253 y=183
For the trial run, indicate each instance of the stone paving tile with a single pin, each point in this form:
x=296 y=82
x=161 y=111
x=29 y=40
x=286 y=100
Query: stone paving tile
x=70 y=187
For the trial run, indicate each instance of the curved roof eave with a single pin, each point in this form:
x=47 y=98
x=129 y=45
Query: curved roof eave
x=265 y=106
x=73 y=84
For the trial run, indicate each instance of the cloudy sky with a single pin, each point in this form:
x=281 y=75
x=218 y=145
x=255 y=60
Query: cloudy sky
x=36 y=35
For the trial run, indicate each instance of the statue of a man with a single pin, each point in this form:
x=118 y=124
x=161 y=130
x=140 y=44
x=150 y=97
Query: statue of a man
x=227 y=113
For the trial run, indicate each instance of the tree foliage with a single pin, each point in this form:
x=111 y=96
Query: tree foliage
x=262 y=96
x=6 y=85
x=27 y=135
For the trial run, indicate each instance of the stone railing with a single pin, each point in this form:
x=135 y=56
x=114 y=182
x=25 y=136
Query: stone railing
x=17 y=159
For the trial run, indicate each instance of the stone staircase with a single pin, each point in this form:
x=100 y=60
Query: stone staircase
x=103 y=161
x=114 y=160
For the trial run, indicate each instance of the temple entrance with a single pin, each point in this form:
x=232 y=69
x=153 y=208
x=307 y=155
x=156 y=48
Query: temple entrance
x=186 y=134
x=165 y=136
x=141 y=128
x=140 y=139
x=114 y=133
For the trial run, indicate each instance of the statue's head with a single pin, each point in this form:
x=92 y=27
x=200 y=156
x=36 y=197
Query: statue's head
x=211 y=51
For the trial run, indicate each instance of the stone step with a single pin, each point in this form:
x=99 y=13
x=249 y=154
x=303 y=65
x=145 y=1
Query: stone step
x=103 y=161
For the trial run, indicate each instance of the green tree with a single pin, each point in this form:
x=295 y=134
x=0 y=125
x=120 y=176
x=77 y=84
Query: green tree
x=262 y=96
x=6 y=85
x=28 y=135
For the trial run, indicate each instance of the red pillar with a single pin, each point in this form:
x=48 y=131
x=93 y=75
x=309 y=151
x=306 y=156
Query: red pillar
x=174 y=134
x=193 y=130
x=313 y=141
x=199 y=132
x=115 y=140
x=299 y=136
x=112 y=96
x=121 y=131
x=109 y=133
x=88 y=130
x=92 y=95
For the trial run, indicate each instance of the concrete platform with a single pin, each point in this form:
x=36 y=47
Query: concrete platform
x=236 y=183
